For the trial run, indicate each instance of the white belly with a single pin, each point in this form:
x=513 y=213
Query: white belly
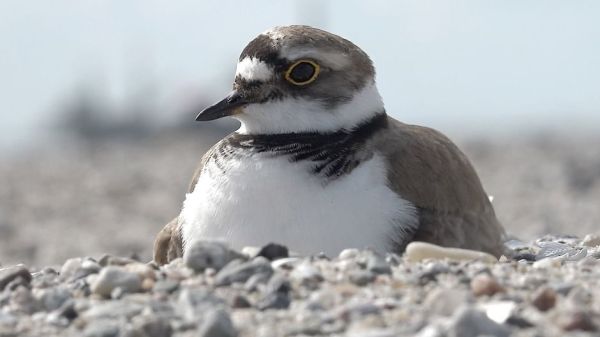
x=261 y=200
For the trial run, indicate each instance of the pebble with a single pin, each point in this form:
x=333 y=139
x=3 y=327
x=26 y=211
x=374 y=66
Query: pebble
x=193 y=303
x=358 y=293
x=165 y=286
x=113 y=309
x=377 y=264
x=113 y=277
x=500 y=311
x=9 y=274
x=209 y=254
x=239 y=302
x=274 y=251
x=101 y=328
x=307 y=274
x=217 y=323
x=469 y=322
x=544 y=299
x=348 y=254
x=361 y=277
x=444 y=301
x=418 y=251
x=484 y=284
x=591 y=240
x=151 y=326
x=577 y=321
x=277 y=294
x=234 y=273
x=548 y=263
x=53 y=298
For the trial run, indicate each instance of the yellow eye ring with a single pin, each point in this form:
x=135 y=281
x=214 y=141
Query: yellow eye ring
x=299 y=76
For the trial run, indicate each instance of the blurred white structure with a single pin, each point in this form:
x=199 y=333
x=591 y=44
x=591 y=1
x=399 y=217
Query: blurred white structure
x=467 y=67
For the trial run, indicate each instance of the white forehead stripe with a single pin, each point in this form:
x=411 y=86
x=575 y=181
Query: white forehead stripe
x=253 y=69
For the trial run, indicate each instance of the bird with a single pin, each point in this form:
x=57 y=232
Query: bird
x=318 y=165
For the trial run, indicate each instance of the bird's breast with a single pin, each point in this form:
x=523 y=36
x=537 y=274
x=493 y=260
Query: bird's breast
x=255 y=199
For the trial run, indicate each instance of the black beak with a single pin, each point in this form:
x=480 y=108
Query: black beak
x=226 y=107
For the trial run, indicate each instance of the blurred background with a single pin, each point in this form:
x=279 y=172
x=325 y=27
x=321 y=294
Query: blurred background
x=98 y=98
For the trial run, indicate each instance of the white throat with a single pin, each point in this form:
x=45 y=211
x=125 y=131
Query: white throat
x=302 y=115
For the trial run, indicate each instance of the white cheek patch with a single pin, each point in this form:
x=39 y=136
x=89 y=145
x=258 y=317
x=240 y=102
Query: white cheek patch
x=253 y=69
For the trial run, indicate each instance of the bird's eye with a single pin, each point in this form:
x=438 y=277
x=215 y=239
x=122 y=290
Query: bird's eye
x=302 y=72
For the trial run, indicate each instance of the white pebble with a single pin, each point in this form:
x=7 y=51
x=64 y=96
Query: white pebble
x=419 y=251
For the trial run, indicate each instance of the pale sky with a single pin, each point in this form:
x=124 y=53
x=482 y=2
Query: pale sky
x=465 y=67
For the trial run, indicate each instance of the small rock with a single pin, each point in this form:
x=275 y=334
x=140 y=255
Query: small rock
x=548 y=263
x=286 y=263
x=165 y=286
x=544 y=299
x=274 y=301
x=7 y=275
x=361 y=277
x=152 y=326
x=67 y=310
x=591 y=240
x=23 y=301
x=254 y=282
x=417 y=251
x=7 y=319
x=101 y=328
x=469 y=322
x=307 y=274
x=499 y=311
x=274 y=251
x=217 y=324
x=70 y=267
x=109 y=260
x=52 y=298
x=376 y=264
x=240 y=302
x=349 y=254
x=431 y=271
x=250 y=251
x=113 y=277
x=112 y=309
x=233 y=273
x=484 y=284
x=444 y=301
x=277 y=294
x=279 y=284
x=193 y=303
x=577 y=321
x=202 y=255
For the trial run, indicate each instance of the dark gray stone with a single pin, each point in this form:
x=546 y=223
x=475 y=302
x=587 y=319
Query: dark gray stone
x=469 y=322
x=274 y=251
x=376 y=264
x=53 y=298
x=9 y=274
x=361 y=277
x=209 y=254
x=217 y=323
x=152 y=326
x=234 y=273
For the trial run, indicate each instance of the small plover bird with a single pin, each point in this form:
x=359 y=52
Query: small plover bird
x=319 y=166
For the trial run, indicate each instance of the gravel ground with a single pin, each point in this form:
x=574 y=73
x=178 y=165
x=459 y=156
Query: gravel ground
x=548 y=287
x=114 y=196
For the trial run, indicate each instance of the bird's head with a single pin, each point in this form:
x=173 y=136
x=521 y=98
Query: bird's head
x=300 y=79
